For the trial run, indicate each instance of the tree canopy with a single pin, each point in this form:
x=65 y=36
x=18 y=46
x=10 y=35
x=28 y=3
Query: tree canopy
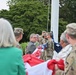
x=32 y=15
x=68 y=10
x=29 y=15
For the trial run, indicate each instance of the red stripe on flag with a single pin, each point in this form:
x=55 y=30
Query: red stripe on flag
x=32 y=60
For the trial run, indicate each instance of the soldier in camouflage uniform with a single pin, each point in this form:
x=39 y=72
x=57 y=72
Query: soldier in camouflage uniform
x=43 y=40
x=50 y=47
x=66 y=49
x=70 y=62
x=19 y=35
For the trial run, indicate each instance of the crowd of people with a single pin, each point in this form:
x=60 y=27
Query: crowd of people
x=11 y=54
x=37 y=40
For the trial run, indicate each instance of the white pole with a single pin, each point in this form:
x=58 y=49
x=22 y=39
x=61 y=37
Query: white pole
x=55 y=19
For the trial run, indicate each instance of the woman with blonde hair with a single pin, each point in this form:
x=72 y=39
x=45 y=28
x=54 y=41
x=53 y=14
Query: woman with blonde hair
x=11 y=62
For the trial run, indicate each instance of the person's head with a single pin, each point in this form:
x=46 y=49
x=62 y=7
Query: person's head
x=63 y=40
x=43 y=33
x=49 y=35
x=40 y=38
x=18 y=33
x=37 y=37
x=7 y=37
x=45 y=36
x=33 y=37
x=71 y=33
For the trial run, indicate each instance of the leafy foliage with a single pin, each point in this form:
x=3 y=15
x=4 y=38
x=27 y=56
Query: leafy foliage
x=29 y=15
x=68 y=10
x=62 y=26
x=23 y=45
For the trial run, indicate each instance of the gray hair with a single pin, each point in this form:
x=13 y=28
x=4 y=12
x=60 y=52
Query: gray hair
x=71 y=30
x=37 y=35
x=7 y=37
x=32 y=35
x=63 y=37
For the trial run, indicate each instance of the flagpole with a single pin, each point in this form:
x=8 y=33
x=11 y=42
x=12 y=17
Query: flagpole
x=55 y=18
x=48 y=14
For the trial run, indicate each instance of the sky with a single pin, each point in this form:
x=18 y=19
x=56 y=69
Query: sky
x=3 y=4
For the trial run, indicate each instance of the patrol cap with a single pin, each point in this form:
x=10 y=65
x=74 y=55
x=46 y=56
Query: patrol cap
x=43 y=31
x=18 y=30
x=71 y=29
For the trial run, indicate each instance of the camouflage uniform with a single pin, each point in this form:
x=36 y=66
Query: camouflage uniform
x=59 y=72
x=18 y=32
x=49 y=50
x=42 y=40
x=43 y=37
x=70 y=63
x=18 y=45
x=43 y=53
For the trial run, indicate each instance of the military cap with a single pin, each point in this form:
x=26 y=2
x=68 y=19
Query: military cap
x=18 y=30
x=43 y=31
x=71 y=29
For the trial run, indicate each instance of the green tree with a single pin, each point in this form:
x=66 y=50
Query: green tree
x=62 y=26
x=13 y=2
x=29 y=15
x=68 y=10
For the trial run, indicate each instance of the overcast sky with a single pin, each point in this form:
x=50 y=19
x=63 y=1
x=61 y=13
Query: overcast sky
x=3 y=4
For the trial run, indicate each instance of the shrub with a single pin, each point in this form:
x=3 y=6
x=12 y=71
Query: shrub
x=23 y=45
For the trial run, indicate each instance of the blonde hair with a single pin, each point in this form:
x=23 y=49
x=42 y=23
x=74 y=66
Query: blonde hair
x=7 y=37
